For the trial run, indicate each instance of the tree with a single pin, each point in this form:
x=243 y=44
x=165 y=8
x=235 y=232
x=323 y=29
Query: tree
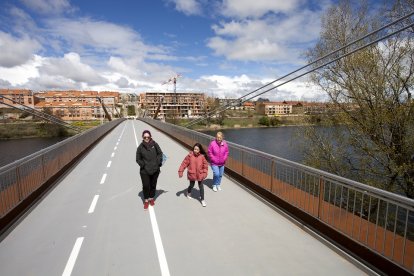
x=264 y=121
x=131 y=110
x=209 y=105
x=371 y=134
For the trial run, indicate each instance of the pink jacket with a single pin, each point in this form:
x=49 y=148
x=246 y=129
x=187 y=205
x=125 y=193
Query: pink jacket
x=197 y=167
x=218 y=153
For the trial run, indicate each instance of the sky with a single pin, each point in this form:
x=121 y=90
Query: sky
x=224 y=48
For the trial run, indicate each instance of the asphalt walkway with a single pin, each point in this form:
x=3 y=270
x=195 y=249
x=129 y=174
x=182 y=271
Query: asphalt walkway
x=93 y=223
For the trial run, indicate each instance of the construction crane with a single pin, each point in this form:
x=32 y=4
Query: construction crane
x=174 y=81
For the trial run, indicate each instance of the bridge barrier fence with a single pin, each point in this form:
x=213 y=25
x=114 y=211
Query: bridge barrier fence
x=18 y=180
x=378 y=220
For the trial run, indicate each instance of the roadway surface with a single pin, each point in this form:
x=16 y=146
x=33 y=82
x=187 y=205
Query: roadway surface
x=93 y=223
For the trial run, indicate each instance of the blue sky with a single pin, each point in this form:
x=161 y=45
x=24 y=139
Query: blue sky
x=224 y=48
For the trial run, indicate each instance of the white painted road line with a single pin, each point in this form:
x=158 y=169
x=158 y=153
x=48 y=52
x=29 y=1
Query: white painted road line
x=93 y=204
x=157 y=237
x=115 y=148
x=103 y=178
x=113 y=154
x=73 y=256
x=158 y=244
x=109 y=164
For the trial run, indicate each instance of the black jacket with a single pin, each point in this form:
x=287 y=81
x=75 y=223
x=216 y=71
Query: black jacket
x=149 y=157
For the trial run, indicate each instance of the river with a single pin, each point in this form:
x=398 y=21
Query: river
x=281 y=141
x=15 y=149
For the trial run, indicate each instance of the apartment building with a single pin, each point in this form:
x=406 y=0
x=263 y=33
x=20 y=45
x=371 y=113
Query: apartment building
x=16 y=97
x=291 y=107
x=274 y=108
x=77 y=105
x=248 y=106
x=173 y=104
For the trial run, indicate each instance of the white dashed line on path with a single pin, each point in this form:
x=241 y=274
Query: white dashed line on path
x=73 y=256
x=109 y=164
x=103 y=178
x=93 y=204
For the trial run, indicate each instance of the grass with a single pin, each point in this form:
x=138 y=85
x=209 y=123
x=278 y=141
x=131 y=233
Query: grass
x=29 y=129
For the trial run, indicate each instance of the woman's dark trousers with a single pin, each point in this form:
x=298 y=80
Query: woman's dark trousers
x=149 y=184
x=200 y=186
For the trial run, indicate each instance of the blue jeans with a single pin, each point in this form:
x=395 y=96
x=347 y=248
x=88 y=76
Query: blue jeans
x=217 y=174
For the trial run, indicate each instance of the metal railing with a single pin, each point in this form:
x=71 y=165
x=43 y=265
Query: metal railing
x=378 y=220
x=21 y=178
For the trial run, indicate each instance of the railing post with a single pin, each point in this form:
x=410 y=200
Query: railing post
x=321 y=195
x=43 y=168
x=19 y=189
x=242 y=161
x=272 y=173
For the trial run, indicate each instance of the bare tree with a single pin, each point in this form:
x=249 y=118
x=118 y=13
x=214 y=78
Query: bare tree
x=371 y=134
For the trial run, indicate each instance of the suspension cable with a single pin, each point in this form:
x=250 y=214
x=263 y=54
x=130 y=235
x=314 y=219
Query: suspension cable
x=239 y=101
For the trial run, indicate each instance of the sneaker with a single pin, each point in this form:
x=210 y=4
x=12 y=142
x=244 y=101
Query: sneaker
x=219 y=187
x=203 y=203
x=215 y=188
x=146 y=203
x=152 y=202
x=189 y=195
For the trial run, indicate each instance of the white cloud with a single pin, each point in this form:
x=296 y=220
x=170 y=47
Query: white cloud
x=188 y=7
x=124 y=83
x=48 y=6
x=257 y=8
x=71 y=67
x=19 y=75
x=268 y=39
x=238 y=86
x=16 y=51
x=102 y=37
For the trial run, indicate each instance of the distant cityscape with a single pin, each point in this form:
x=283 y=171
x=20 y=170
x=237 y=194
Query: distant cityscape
x=74 y=105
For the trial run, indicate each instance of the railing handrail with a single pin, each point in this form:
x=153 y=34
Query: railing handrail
x=42 y=151
x=399 y=199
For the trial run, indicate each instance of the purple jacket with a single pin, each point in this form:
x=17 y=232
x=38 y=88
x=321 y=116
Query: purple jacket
x=218 y=153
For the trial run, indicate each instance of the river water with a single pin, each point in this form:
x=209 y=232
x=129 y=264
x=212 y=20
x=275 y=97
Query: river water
x=15 y=149
x=283 y=142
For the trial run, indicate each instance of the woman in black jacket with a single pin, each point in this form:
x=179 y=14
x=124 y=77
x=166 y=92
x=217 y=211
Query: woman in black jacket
x=149 y=158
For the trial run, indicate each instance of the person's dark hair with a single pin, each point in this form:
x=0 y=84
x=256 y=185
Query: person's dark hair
x=146 y=131
x=202 y=151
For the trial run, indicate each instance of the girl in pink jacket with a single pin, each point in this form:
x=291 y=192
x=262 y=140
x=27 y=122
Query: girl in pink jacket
x=197 y=168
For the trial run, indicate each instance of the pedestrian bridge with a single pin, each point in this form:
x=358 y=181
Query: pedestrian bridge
x=273 y=217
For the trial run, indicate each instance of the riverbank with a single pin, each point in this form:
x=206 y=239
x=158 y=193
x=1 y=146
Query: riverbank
x=36 y=129
x=253 y=122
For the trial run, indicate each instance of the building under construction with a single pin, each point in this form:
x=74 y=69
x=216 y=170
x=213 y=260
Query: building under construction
x=173 y=105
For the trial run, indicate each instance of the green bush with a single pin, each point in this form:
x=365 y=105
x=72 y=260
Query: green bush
x=274 y=121
x=264 y=121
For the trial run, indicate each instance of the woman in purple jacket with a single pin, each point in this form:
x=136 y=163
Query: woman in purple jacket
x=218 y=152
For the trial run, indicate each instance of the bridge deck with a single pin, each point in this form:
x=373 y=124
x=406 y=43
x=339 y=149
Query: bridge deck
x=236 y=234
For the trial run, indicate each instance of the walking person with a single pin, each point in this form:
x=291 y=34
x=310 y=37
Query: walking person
x=197 y=168
x=218 y=151
x=149 y=158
